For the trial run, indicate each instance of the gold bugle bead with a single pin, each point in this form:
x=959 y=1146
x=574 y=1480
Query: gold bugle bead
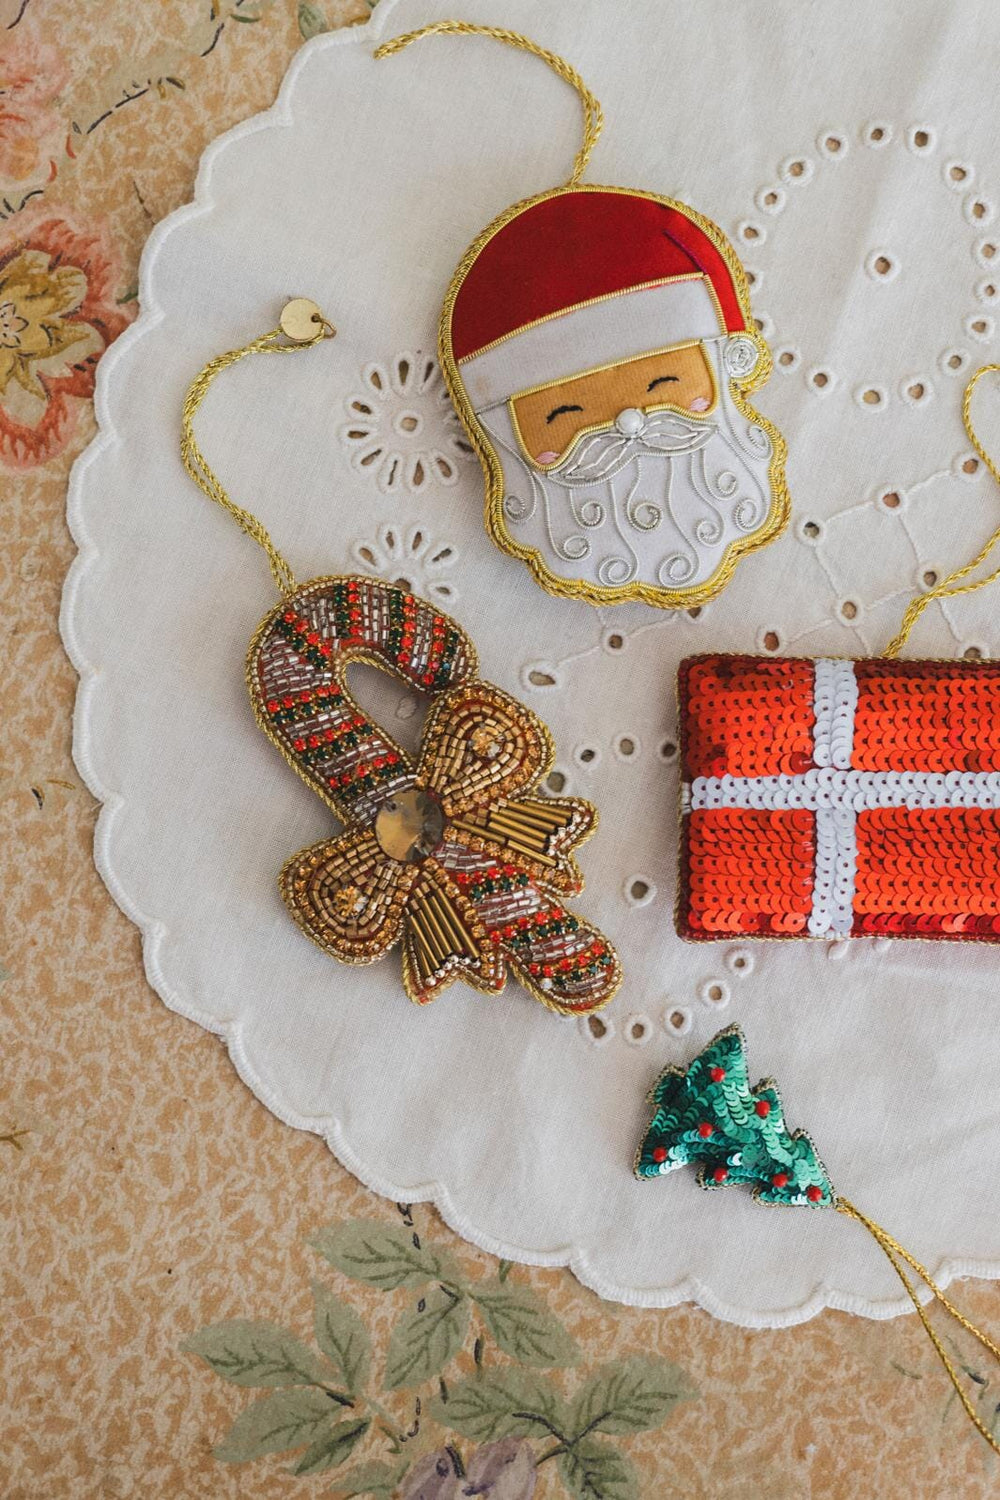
x=435 y=931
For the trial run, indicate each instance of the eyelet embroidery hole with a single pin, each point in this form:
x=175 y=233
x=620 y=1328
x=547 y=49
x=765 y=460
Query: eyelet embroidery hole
x=614 y=642
x=696 y=611
x=639 y=890
x=957 y=175
x=787 y=359
x=966 y=466
x=764 y=325
x=974 y=652
x=849 y=609
x=755 y=278
x=770 y=200
x=769 y=641
x=739 y=961
x=557 y=781
x=668 y=750
x=832 y=144
x=638 y=1029
x=953 y=361
x=796 y=170
x=892 y=500
x=986 y=252
x=408 y=423
x=627 y=747
x=881 y=266
x=714 y=993
x=877 y=134
x=811 y=532
x=750 y=233
x=597 y=1029
x=978 y=209
x=871 y=397
x=821 y=381
x=587 y=756
x=921 y=139
x=986 y=290
x=980 y=326
x=541 y=675
x=928 y=578
x=916 y=391
x=678 y=1020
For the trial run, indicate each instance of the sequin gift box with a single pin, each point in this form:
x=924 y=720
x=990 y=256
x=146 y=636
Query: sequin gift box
x=830 y=798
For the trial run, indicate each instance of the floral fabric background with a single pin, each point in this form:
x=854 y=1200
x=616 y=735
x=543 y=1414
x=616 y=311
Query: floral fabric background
x=199 y=1301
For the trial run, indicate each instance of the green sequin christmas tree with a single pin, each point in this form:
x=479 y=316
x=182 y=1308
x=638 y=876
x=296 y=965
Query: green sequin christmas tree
x=708 y=1114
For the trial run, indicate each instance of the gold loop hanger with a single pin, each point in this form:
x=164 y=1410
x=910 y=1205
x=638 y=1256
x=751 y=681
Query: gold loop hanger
x=302 y=325
x=952 y=586
x=896 y=1255
x=593 y=114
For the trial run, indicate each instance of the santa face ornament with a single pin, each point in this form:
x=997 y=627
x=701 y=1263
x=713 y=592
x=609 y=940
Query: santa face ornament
x=599 y=348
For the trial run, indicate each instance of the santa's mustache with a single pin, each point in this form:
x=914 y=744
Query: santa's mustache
x=604 y=454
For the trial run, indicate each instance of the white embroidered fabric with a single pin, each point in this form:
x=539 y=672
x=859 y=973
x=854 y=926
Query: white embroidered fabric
x=854 y=163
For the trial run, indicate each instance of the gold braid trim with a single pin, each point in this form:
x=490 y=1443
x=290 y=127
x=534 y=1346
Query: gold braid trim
x=593 y=114
x=952 y=586
x=198 y=466
x=896 y=1256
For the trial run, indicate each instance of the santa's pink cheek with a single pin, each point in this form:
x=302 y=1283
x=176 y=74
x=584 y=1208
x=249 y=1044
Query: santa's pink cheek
x=700 y=403
x=548 y=457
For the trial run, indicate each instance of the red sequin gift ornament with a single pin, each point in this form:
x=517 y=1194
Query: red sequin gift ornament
x=833 y=798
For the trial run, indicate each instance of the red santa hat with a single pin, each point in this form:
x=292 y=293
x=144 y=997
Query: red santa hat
x=584 y=278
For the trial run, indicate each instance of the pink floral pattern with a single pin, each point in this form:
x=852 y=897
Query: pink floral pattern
x=57 y=317
x=32 y=75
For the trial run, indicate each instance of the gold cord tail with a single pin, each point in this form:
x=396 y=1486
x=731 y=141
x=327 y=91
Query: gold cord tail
x=897 y=1255
x=952 y=585
x=302 y=325
x=593 y=114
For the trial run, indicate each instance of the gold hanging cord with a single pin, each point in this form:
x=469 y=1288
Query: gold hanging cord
x=302 y=325
x=593 y=114
x=951 y=586
x=896 y=1255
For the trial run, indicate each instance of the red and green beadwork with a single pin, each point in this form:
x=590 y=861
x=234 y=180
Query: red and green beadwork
x=455 y=854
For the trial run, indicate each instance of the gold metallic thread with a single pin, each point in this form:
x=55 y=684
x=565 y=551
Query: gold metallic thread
x=593 y=114
x=952 y=586
x=896 y=1255
x=197 y=465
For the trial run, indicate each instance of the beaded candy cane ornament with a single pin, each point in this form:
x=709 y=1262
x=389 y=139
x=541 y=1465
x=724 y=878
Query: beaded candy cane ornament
x=599 y=348
x=453 y=855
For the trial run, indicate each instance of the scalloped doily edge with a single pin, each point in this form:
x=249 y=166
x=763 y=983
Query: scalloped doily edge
x=153 y=931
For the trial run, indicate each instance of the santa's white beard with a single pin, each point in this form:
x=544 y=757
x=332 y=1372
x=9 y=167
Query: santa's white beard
x=658 y=506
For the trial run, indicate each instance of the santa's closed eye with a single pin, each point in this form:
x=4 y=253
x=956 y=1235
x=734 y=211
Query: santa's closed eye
x=560 y=411
x=661 y=380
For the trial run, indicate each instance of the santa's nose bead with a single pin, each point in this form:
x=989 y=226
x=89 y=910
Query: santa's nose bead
x=630 y=422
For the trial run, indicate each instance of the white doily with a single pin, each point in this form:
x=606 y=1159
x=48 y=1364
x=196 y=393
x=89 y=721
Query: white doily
x=853 y=161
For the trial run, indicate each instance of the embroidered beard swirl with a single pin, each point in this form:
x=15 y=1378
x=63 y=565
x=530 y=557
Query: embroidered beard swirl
x=658 y=506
